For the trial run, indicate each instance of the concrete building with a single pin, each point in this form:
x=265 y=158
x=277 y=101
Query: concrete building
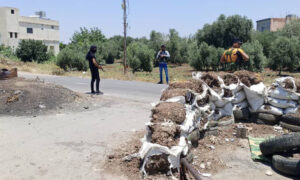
x=274 y=24
x=14 y=28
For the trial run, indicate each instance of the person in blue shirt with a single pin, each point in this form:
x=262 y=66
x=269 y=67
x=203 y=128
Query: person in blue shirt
x=163 y=56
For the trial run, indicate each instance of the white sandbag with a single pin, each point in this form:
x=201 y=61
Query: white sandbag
x=280 y=103
x=270 y=110
x=241 y=105
x=177 y=99
x=293 y=110
x=225 y=111
x=279 y=92
x=281 y=82
x=255 y=95
x=233 y=87
x=239 y=97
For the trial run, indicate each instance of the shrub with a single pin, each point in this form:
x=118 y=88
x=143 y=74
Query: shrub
x=6 y=51
x=32 y=50
x=257 y=59
x=140 y=57
x=285 y=54
x=71 y=58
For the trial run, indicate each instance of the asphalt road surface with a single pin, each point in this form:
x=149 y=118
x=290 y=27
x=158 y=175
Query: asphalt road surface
x=73 y=145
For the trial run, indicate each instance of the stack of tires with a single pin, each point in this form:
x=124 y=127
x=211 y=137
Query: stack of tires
x=282 y=149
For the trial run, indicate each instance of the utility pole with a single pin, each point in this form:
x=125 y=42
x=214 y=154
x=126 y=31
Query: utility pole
x=125 y=35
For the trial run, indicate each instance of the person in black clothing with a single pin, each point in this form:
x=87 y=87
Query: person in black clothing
x=94 y=66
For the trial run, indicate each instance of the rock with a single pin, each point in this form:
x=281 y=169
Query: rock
x=130 y=157
x=269 y=173
x=206 y=174
x=202 y=166
x=42 y=106
x=208 y=165
x=111 y=156
x=86 y=107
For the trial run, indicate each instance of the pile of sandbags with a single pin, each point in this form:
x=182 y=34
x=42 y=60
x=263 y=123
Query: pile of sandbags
x=209 y=100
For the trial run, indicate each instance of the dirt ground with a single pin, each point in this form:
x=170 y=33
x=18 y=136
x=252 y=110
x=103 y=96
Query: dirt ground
x=19 y=97
x=222 y=156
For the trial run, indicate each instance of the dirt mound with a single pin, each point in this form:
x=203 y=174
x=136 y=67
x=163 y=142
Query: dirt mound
x=230 y=79
x=297 y=82
x=170 y=93
x=157 y=164
x=211 y=80
x=288 y=84
x=19 y=97
x=165 y=135
x=169 y=111
x=248 y=78
x=194 y=85
x=227 y=93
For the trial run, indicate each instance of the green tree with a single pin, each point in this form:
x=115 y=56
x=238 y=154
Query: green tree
x=257 y=59
x=32 y=50
x=291 y=29
x=140 y=57
x=266 y=39
x=173 y=46
x=199 y=56
x=285 y=54
x=224 y=30
x=72 y=58
x=86 y=35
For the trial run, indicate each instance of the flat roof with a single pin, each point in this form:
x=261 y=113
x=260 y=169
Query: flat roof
x=38 y=20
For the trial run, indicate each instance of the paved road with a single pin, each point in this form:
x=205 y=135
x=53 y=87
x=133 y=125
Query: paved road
x=134 y=90
x=73 y=145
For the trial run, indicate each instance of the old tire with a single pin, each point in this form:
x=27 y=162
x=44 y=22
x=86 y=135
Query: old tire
x=291 y=127
x=280 y=144
x=241 y=114
x=290 y=119
x=286 y=166
x=268 y=118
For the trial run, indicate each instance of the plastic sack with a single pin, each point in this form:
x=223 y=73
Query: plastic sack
x=225 y=111
x=255 y=95
x=280 y=103
x=293 y=110
x=282 y=83
x=279 y=92
x=271 y=110
x=178 y=99
x=241 y=105
x=233 y=87
x=239 y=97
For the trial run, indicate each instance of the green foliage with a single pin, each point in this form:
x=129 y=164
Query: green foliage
x=266 y=39
x=140 y=57
x=32 y=50
x=257 y=59
x=174 y=46
x=285 y=54
x=205 y=57
x=224 y=30
x=6 y=52
x=72 y=58
x=292 y=29
x=62 y=46
x=86 y=35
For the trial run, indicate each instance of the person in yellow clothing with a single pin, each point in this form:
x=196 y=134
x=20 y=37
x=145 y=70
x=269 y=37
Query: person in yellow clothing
x=235 y=55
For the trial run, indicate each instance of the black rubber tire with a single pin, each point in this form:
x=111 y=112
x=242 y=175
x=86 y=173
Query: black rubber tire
x=269 y=119
x=286 y=166
x=290 y=127
x=280 y=144
x=290 y=119
x=241 y=114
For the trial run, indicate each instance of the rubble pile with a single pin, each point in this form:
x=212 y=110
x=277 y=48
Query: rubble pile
x=190 y=108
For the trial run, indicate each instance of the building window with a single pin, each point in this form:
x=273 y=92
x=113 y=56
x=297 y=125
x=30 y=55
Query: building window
x=12 y=11
x=52 y=27
x=29 y=30
x=11 y=35
x=16 y=35
x=51 y=48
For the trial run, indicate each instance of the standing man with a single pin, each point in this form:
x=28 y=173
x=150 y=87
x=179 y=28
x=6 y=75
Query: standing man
x=94 y=66
x=235 y=56
x=162 y=57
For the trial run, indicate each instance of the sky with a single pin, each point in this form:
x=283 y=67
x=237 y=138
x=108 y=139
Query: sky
x=186 y=16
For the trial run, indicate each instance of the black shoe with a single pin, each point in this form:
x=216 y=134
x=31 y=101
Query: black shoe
x=93 y=92
x=159 y=82
x=99 y=92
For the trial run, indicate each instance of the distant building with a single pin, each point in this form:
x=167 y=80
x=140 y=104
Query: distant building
x=14 y=28
x=274 y=24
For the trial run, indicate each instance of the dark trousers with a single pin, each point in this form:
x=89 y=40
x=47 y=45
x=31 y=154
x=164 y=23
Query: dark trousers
x=163 y=65
x=95 y=77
